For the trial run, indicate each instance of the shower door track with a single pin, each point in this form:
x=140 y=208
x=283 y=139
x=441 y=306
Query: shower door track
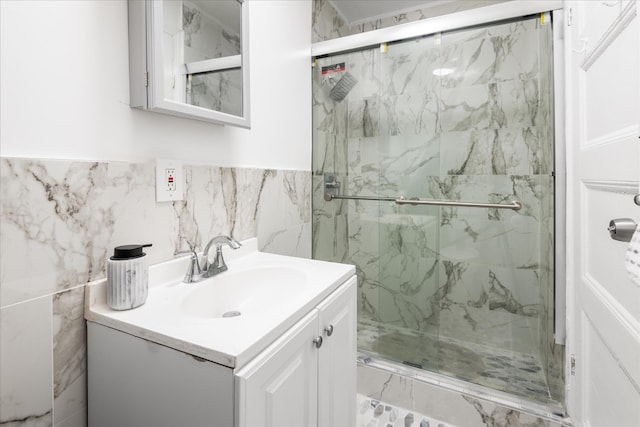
x=437 y=24
x=551 y=411
x=514 y=205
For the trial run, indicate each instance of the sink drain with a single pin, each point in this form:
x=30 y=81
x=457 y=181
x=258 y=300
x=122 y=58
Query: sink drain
x=231 y=314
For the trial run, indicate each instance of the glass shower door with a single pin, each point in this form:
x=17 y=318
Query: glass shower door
x=409 y=155
x=464 y=291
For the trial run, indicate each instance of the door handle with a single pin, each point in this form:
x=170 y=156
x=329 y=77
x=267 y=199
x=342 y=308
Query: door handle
x=622 y=229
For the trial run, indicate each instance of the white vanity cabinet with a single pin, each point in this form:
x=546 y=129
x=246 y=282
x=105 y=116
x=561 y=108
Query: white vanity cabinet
x=293 y=382
x=307 y=377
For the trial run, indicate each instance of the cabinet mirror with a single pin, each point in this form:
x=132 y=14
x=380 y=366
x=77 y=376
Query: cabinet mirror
x=190 y=58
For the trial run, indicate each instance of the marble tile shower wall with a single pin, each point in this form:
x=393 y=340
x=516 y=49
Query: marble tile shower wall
x=481 y=133
x=61 y=219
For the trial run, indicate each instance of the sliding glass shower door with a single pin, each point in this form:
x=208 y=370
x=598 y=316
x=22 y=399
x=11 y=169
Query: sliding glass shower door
x=462 y=116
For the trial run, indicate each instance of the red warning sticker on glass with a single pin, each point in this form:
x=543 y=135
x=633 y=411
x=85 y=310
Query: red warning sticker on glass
x=335 y=68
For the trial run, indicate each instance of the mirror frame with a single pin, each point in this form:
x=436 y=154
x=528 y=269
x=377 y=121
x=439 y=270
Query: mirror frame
x=146 y=69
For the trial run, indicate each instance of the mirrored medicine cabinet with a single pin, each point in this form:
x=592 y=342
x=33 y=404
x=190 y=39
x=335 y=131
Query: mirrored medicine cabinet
x=189 y=58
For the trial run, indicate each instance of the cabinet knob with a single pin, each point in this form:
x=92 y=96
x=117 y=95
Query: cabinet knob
x=317 y=341
x=328 y=330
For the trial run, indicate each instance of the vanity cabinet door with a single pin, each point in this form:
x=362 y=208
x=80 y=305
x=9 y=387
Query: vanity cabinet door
x=337 y=358
x=279 y=388
x=133 y=382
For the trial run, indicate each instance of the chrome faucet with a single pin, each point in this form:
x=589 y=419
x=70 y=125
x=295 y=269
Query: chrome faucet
x=195 y=273
x=218 y=265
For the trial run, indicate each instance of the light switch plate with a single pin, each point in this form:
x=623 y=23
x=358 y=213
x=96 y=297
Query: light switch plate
x=169 y=180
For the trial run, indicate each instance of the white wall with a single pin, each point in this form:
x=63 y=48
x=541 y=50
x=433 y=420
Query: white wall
x=65 y=90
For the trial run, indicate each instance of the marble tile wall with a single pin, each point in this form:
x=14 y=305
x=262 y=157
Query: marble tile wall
x=482 y=132
x=59 y=222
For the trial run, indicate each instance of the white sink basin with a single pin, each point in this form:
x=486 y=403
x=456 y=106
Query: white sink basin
x=228 y=318
x=245 y=292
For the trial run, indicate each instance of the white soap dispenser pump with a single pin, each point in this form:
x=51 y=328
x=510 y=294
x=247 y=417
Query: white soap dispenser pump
x=127 y=277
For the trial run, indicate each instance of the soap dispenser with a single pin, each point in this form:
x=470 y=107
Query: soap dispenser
x=127 y=277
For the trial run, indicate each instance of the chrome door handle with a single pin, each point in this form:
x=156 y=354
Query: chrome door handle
x=622 y=229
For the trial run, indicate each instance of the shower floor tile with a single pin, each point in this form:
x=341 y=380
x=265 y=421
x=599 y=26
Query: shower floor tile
x=373 y=413
x=509 y=371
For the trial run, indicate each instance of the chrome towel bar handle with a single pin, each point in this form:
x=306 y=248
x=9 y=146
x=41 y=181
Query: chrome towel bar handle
x=514 y=205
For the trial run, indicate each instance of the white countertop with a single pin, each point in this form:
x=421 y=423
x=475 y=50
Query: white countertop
x=229 y=341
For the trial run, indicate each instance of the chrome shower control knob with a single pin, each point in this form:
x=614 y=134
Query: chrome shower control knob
x=317 y=341
x=328 y=330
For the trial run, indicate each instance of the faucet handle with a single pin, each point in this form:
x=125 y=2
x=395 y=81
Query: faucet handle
x=234 y=244
x=194 y=265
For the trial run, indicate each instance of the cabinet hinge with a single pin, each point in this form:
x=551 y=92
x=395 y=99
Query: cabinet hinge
x=569 y=17
x=146 y=79
x=573 y=364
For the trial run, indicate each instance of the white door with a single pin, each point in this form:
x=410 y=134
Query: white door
x=337 y=358
x=603 y=102
x=279 y=388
